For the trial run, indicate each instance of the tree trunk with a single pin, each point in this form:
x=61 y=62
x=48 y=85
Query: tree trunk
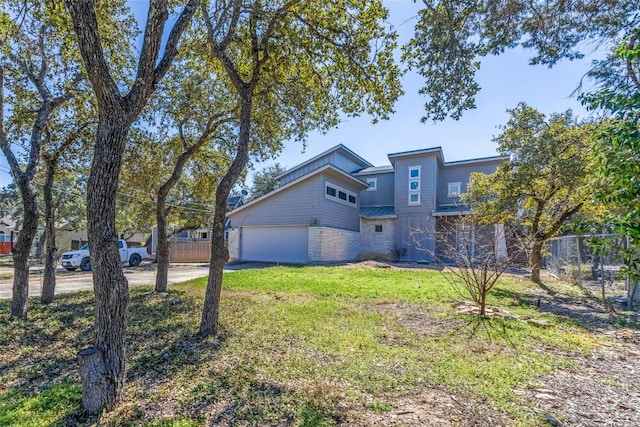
x=104 y=386
x=219 y=252
x=536 y=260
x=22 y=249
x=49 y=280
x=162 y=252
x=219 y=256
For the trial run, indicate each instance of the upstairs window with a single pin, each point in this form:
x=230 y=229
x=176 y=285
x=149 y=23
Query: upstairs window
x=372 y=183
x=414 y=185
x=454 y=189
x=339 y=194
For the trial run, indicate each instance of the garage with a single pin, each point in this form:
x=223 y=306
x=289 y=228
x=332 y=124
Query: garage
x=288 y=244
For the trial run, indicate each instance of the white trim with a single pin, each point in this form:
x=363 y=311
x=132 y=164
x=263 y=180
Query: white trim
x=348 y=194
x=450 y=193
x=414 y=180
x=373 y=187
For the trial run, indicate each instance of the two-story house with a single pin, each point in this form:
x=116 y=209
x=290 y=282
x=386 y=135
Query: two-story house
x=338 y=207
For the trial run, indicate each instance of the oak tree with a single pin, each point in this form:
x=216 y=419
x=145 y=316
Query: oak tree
x=37 y=77
x=543 y=185
x=305 y=62
x=119 y=106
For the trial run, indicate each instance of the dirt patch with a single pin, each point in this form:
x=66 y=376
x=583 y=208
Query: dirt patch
x=432 y=407
x=418 y=318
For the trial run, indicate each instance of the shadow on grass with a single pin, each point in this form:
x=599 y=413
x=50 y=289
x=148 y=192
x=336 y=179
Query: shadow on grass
x=584 y=311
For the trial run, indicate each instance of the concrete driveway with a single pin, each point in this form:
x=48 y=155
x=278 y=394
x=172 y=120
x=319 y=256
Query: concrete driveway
x=71 y=281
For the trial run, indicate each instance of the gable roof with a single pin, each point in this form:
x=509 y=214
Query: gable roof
x=325 y=168
x=340 y=147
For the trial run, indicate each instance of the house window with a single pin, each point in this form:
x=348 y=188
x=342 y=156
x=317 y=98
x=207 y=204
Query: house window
x=454 y=189
x=372 y=183
x=378 y=229
x=342 y=195
x=414 y=185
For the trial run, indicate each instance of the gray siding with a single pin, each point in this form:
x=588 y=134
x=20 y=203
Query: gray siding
x=428 y=176
x=460 y=173
x=415 y=233
x=335 y=158
x=385 y=193
x=297 y=205
x=337 y=214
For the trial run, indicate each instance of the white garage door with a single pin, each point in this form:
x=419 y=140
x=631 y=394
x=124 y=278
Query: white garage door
x=274 y=244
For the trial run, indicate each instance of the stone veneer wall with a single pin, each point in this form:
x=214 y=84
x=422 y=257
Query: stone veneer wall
x=377 y=243
x=332 y=245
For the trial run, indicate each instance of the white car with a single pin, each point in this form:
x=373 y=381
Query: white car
x=73 y=260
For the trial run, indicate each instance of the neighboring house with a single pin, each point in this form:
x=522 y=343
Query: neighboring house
x=338 y=207
x=8 y=235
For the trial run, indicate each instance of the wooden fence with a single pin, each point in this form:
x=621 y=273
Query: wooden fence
x=190 y=250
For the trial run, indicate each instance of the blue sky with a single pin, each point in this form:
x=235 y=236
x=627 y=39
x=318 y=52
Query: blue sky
x=505 y=80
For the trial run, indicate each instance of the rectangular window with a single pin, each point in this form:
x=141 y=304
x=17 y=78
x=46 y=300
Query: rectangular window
x=372 y=183
x=414 y=185
x=378 y=229
x=339 y=194
x=454 y=189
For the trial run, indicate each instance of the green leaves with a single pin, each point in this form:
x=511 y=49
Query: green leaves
x=547 y=179
x=451 y=37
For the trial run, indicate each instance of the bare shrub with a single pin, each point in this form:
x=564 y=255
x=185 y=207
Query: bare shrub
x=476 y=255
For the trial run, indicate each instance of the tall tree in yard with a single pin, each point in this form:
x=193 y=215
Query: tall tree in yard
x=546 y=182
x=103 y=364
x=37 y=77
x=196 y=124
x=306 y=62
x=63 y=148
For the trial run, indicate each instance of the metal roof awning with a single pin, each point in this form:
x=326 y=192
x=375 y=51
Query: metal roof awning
x=379 y=212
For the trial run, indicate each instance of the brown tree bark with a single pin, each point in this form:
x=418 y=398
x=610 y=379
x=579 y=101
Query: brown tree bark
x=162 y=252
x=219 y=251
x=25 y=181
x=49 y=279
x=22 y=248
x=103 y=365
x=536 y=260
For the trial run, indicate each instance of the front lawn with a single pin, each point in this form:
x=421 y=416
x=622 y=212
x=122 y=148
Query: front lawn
x=298 y=346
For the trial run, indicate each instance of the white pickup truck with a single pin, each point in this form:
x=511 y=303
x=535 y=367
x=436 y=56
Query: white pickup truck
x=73 y=260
